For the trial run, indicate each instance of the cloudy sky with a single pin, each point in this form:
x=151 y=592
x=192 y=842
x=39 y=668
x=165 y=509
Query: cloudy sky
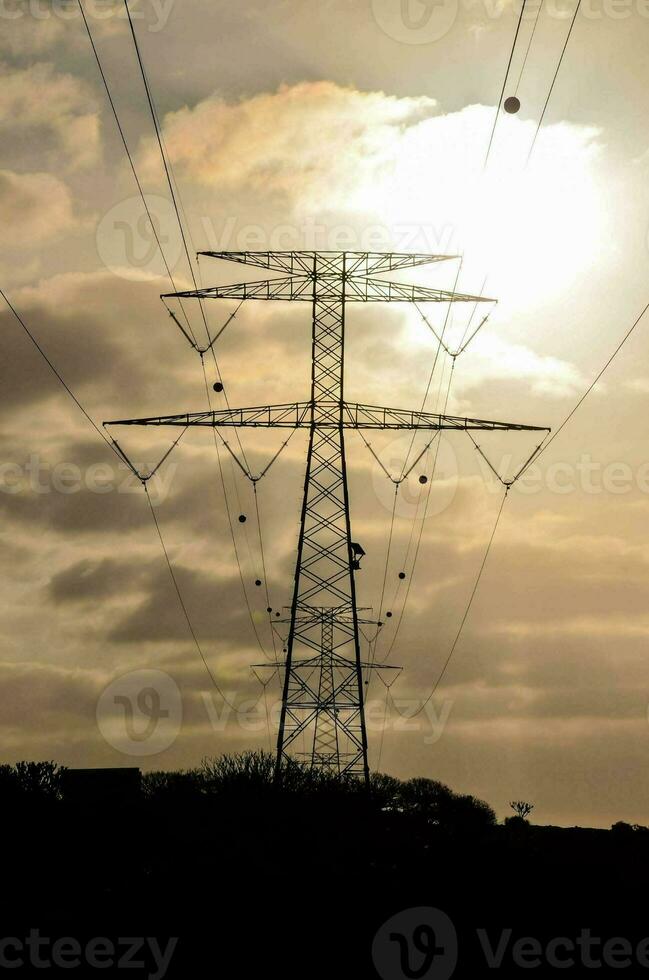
x=359 y=124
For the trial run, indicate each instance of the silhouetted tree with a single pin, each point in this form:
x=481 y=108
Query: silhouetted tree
x=164 y=785
x=41 y=779
x=229 y=771
x=522 y=808
x=622 y=828
x=9 y=782
x=468 y=814
x=385 y=790
x=517 y=824
x=440 y=806
x=424 y=797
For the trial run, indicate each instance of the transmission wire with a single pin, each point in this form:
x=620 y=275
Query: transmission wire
x=177 y=203
x=437 y=353
x=181 y=600
x=529 y=45
x=191 y=339
x=421 y=531
x=466 y=611
x=563 y=51
x=168 y=168
x=231 y=526
x=56 y=373
x=372 y=644
x=502 y=91
x=113 y=449
x=590 y=388
x=518 y=476
x=264 y=573
x=164 y=161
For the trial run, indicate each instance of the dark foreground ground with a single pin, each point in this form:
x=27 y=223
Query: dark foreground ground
x=219 y=874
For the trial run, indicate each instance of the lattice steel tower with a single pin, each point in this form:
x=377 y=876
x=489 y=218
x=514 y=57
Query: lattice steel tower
x=322 y=673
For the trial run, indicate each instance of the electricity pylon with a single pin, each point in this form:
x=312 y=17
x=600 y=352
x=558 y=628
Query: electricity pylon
x=323 y=671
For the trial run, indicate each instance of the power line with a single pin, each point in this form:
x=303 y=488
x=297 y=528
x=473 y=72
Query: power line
x=520 y=473
x=384 y=583
x=563 y=51
x=461 y=345
x=466 y=611
x=264 y=571
x=529 y=45
x=412 y=528
x=181 y=600
x=440 y=346
x=588 y=390
x=164 y=161
x=111 y=102
x=232 y=534
x=404 y=474
x=56 y=373
x=421 y=529
x=178 y=206
x=168 y=169
x=120 y=456
x=502 y=91
x=151 y=106
x=470 y=602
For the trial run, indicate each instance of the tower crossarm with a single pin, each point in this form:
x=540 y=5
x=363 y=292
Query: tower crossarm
x=356 y=263
x=358 y=416
x=331 y=415
x=327 y=288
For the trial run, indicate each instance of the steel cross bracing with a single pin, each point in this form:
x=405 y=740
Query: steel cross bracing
x=298 y=415
x=322 y=696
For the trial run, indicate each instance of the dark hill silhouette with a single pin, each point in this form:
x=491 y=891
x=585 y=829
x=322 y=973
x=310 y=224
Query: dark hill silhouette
x=297 y=879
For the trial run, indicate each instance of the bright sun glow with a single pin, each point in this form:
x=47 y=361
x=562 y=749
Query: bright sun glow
x=531 y=230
